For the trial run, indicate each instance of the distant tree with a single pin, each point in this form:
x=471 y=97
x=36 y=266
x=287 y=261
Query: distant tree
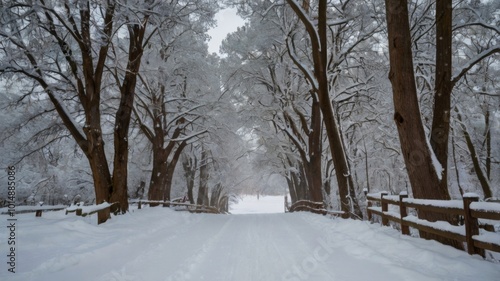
x=175 y=86
x=324 y=59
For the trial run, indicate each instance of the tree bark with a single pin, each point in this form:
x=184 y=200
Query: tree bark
x=315 y=149
x=440 y=129
x=203 y=187
x=157 y=180
x=172 y=164
x=189 y=166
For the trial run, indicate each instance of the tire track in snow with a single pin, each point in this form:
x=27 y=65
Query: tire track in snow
x=251 y=247
x=151 y=254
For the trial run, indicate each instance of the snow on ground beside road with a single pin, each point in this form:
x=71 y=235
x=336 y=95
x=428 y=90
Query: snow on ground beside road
x=250 y=204
x=161 y=244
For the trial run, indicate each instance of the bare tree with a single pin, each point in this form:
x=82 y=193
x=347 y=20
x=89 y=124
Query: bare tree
x=324 y=61
x=80 y=39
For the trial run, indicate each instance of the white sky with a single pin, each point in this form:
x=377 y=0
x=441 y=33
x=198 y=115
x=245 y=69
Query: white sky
x=227 y=22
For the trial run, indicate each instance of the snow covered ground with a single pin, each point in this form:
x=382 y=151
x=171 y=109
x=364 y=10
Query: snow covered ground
x=250 y=204
x=161 y=244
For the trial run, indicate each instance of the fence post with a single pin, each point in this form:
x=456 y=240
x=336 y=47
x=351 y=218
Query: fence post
x=78 y=212
x=405 y=229
x=38 y=213
x=139 y=206
x=471 y=224
x=385 y=208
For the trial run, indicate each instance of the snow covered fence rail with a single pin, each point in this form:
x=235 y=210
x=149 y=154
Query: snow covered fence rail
x=192 y=208
x=313 y=207
x=84 y=211
x=469 y=208
x=33 y=209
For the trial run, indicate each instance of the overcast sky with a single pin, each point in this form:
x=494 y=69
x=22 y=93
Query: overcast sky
x=227 y=22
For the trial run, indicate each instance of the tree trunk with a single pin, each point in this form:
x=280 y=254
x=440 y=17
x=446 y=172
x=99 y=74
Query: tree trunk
x=291 y=188
x=203 y=187
x=315 y=147
x=481 y=175
x=189 y=174
x=157 y=180
x=440 y=129
x=102 y=178
x=123 y=117
x=319 y=44
x=422 y=170
x=96 y=155
x=301 y=186
x=171 y=165
x=487 y=136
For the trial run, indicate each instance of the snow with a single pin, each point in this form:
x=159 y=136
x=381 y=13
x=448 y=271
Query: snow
x=438 y=168
x=459 y=204
x=488 y=237
x=470 y=195
x=250 y=204
x=440 y=225
x=485 y=206
x=94 y=208
x=161 y=244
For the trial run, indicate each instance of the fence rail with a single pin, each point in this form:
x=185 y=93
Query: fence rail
x=80 y=210
x=310 y=206
x=469 y=208
x=192 y=208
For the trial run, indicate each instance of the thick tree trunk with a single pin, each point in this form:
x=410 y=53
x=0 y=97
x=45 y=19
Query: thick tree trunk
x=315 y=147
x=440 y=129
x=157 y=180
x=422 y=170
x=96 y=155
x=123 y=117
x=171 y=165
x=102 y=179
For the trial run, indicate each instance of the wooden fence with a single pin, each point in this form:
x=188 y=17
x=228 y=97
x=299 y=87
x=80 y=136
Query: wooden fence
x=192 y=208
x=469 y=209
x=310 y=206
x=81 y=210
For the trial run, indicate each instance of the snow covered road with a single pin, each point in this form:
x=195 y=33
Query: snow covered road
x=160 y=244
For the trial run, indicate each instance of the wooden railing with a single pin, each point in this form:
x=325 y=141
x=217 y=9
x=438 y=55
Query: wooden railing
x=313 y=207
x=81 y=210
x=33 y=209
x=469 y=208
x=192 y=208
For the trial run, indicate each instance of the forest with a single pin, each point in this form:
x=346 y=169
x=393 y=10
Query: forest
x=107 y=101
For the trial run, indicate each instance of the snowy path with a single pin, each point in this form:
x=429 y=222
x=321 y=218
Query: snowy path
x=160 y=244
